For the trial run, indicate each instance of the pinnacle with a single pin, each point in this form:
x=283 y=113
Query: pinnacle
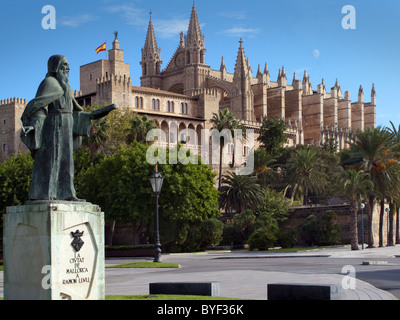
x=242 y=67
x=194 y=35
x=150 y=46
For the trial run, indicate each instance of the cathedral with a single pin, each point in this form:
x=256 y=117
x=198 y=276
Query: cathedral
x=187 y=92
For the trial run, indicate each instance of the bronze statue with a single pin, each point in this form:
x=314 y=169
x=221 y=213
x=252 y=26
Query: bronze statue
x=53 y=126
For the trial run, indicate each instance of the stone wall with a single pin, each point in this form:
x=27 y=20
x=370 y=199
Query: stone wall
x=342 y=210
x=10 y=128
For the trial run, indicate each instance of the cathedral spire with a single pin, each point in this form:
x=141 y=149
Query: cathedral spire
x=151 y=59
x=223 y=67
x=194 y=42
x=242 y=102
x=241 y=67
x=150 y=46
x=361 y=94
x=259 y=73
x=194 y=36
x=373 y=95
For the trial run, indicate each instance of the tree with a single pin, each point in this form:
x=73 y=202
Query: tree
x=355 y=185
x=306 y=170
x=395 y=201
x=15 y=180
x=98 y=135
x=220 y=121
x=120 y=122
x=139 y=126
x=264 y=167
x=370 y=151
x=120 y=186
x=272 y=134
x=274 y=209
x=239 y=193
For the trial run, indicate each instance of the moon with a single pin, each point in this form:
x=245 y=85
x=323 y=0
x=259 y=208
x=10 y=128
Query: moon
x=316 y=53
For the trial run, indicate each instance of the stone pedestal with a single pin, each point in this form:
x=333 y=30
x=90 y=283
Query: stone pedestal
x=54 y=250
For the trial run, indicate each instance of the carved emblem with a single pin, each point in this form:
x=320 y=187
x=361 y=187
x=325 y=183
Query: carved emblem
x=77 y=243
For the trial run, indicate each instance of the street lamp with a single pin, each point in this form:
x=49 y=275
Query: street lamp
x=362 y=206
x=387 y=226
x=156 y=180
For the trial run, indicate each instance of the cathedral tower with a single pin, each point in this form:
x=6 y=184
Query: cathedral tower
x=195 y=69
x=151 y=60
x=242 y=96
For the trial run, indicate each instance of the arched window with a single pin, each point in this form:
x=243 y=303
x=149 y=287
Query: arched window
x=137 y=102
x=184 y=108
x=153 y=104
x=141 y=103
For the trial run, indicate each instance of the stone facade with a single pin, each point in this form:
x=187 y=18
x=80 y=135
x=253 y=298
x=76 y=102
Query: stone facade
x=10 y=129
x=186 y=93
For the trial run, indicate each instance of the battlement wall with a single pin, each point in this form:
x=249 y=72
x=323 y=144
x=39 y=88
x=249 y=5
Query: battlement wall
x=13 y=101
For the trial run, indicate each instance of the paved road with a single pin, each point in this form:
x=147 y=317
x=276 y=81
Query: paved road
x=246 y=275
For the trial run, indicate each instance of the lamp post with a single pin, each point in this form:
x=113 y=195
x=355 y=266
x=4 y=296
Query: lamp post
x=362 y=206
x=156 y=180
x=387 y=226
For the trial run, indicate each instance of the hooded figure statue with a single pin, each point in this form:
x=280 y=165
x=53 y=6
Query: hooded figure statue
x=48 y=132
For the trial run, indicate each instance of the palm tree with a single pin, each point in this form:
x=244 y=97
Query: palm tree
x=265 y=167
x=240 y=193
x=139 y=126
x=355 y=185
x=98 y=135
x=370 y=152
x=305 y=170
x=395 y=203
x=223 y=120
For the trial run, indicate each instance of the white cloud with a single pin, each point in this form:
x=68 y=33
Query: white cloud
x=168 y=28
x=132 y=15
x=240 y=31
x=164 y=28
x=77 y=21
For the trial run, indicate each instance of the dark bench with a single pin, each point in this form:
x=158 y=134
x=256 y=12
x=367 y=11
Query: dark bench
x=186 y=288
x=304 y=292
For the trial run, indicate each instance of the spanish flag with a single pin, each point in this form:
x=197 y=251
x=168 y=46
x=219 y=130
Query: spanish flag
x=103 y=47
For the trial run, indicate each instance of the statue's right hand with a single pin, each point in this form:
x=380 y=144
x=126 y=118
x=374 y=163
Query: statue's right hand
x=28 y=129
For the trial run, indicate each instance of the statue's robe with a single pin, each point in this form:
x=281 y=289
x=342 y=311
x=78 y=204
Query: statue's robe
x=53 y=140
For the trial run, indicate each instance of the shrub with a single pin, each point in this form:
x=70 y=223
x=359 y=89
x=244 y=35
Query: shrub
x=286 y=239
x=321 y=231
x=262 y=239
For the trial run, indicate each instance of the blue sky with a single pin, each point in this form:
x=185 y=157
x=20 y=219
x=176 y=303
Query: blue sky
x=299 y=35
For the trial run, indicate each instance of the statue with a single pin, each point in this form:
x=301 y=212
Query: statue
x=53 y=124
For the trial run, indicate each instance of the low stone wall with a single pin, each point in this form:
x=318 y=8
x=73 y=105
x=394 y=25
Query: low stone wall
x=343 y=212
